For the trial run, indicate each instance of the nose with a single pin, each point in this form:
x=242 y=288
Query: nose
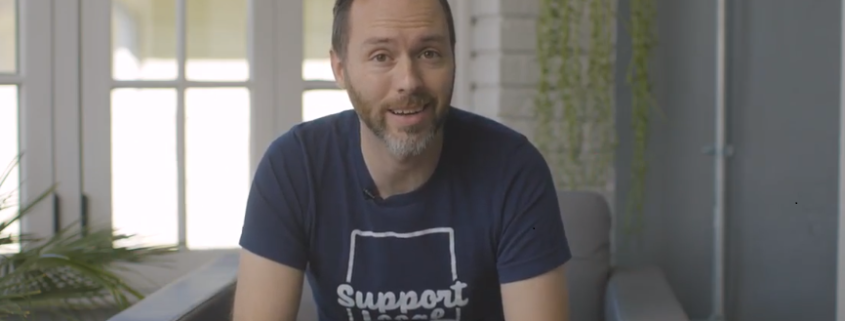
x=407 y=77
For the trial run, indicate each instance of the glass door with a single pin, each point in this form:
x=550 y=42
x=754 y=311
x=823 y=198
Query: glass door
x=9 y=117
x=25 y=116
x=180 y=121
x=173 y=115
x=169 y=120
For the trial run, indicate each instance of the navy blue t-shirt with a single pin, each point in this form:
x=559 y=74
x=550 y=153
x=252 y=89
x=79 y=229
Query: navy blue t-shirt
x=488 y=215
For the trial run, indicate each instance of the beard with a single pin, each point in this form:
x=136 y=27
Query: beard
x=403 y=142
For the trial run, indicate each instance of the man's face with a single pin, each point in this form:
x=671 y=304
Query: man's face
x=399 y=70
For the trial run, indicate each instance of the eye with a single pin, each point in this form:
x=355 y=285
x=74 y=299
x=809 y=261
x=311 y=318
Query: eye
x=430 y=54
x=380 y=57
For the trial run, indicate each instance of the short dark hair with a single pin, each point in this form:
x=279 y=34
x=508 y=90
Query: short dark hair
x=340 y=25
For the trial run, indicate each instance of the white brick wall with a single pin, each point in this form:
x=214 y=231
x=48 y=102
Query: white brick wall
x=503 y=69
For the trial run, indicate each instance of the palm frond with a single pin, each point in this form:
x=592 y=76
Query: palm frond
x=10 y=168
x=72 y=270
x=23 y=210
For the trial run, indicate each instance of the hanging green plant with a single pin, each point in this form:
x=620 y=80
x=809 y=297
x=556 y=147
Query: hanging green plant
x=643 y=41
x=600 y=86
x=543 y=105
x=574 y=101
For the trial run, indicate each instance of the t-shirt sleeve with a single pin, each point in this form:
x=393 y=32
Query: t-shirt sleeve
x=274 y=222
x=532 y=239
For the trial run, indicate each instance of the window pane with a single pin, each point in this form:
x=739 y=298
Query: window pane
x=8 y=37
x=8 y=152
x=318 y=40
x=319 y=103
x=217 y=165
x=144 y=39
x=144 y=173
x=216 y=36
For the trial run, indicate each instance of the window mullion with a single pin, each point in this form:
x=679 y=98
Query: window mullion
x=10 y=79
x=181 y=34
x=289 y=50
x=262 y=57
x=176 y=84
x=95 y=69
x=320 y=85
x=66 y=112
x=36 y=114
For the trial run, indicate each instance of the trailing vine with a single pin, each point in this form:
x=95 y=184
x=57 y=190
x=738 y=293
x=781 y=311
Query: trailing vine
x=601 y=84
x=543 y=106
x=574 y=102
x=643 y=40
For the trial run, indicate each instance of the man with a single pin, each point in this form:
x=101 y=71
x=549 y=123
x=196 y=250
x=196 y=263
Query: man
x=405 y=208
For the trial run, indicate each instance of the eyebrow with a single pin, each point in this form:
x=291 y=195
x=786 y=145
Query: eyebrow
x=377 y=41
x=432 y=38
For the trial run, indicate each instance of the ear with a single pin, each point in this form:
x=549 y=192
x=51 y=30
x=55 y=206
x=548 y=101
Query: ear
x=337 y=69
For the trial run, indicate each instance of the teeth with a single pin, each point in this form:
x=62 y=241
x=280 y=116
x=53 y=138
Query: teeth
x=407 y=112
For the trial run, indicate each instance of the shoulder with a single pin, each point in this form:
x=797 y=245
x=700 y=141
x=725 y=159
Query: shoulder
x=319 y=130
x=306 y=147
x=281 y=201
x=312 y=137
x=482 y=140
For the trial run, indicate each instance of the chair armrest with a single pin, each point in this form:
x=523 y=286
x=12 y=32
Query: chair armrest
x=641 y=294
x=204 y=292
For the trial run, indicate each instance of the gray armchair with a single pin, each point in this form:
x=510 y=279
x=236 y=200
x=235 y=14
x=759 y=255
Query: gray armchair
x=599 y=292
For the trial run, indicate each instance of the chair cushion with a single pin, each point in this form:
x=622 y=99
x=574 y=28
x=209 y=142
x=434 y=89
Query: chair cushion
x=586 y=219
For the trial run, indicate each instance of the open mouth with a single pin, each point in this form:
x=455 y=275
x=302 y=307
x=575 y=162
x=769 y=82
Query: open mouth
x=408 y=112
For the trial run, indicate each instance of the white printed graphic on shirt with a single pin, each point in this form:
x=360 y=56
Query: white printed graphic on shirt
x=436 y=304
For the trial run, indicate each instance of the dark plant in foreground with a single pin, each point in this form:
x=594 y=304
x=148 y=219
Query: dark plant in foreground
x=73 y=270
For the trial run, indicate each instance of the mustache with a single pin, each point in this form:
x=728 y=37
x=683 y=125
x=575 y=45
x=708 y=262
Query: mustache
x=416 y=99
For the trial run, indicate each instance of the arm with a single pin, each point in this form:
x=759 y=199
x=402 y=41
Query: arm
x=542 y=297
x=532 y=247
x=274 y=242
x=266 y=290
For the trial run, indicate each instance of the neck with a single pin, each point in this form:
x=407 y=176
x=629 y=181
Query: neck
x=393 y=175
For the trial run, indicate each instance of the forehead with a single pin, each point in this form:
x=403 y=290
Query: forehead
x=396 y=18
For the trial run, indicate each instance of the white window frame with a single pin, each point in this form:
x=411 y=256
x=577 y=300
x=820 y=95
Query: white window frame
x=66 y=113
x=97 y=84
x=35 y=103
x=48 y=112
x=288 y=44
